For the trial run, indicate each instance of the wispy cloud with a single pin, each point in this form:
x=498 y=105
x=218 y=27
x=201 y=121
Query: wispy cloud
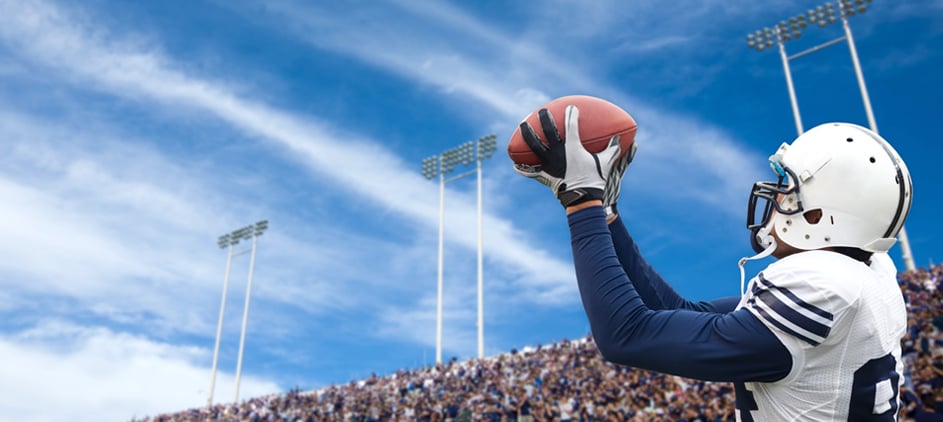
x=93 y=373
x=44 y=34
x=514 y=73
x=89 y=225
x=52 y=38
x=654 y=44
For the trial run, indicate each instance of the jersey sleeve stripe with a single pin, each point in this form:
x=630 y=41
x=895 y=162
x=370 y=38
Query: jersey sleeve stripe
x=780 y=325
x=795 y=299
x=774 y=304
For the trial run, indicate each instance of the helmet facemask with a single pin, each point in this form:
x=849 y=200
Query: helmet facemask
x=772 y=195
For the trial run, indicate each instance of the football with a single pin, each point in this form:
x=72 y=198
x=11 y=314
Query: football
x=599 y=121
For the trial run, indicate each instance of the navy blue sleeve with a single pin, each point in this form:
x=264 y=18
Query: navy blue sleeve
x=733 y=346
x=651 y=287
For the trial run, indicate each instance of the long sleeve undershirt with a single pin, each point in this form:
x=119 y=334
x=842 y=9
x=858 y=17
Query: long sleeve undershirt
x=654 y=290
x=653 y=327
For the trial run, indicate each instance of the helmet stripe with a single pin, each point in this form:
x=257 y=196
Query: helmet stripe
x=897 y=222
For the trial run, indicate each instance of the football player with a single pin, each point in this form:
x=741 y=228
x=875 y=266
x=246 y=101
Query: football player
x=815 y=336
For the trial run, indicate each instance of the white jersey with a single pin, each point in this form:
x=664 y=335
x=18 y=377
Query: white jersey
x=842 y=322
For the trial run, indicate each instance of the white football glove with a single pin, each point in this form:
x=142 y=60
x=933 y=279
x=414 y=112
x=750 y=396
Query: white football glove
x=614 y=181
x=572 y=173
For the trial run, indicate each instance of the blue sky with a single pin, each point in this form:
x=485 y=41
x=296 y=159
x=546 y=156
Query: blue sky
x=133 y=134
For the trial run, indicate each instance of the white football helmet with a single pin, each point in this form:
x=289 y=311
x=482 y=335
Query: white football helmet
x=854 y=176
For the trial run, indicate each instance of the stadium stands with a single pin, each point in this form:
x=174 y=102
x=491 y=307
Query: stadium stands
x=568 y=381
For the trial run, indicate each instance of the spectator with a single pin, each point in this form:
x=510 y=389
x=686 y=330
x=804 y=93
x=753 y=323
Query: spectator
x=569 y=380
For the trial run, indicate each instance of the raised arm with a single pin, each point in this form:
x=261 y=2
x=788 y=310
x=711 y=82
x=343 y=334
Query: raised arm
x=651 y=287
x=732 y=346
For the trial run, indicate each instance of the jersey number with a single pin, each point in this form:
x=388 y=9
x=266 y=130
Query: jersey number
x=874 y=395
x=745 y=402
x=874 y=391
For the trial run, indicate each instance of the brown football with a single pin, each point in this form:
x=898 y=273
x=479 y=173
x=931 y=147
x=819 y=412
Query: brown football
x=599 y=121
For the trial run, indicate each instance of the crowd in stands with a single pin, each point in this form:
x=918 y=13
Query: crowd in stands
x=569 y=381
x=922 y=346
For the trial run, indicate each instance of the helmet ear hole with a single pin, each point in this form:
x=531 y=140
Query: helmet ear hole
x=813 y=216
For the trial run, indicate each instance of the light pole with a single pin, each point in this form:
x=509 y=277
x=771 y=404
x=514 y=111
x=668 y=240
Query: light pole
x=440 y=165
x=259 y=229
x=432 y=167
x=483 y=149
x=822 y=16
x=765 y=38
x=224 y=242
x=227 y=241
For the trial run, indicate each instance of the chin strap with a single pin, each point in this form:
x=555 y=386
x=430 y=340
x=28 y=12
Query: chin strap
x=765 y=238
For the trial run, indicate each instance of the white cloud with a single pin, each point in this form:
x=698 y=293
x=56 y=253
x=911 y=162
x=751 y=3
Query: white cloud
x=85 y=222
x=503 y=76
x=417 y=322
x=655 y=44
x=44 y=34
x=58 y=371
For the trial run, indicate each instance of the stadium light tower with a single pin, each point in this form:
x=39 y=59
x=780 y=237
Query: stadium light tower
x=440 y=165
x=227 y=241
x=260 y=228
x=822 y=16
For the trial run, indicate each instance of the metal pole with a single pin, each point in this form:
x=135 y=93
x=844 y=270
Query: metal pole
x=438 y=325
x=219 y=327
x=481 y=290
x=860 y=75
x=245 y=319
x=792 y=91
x=906 y=252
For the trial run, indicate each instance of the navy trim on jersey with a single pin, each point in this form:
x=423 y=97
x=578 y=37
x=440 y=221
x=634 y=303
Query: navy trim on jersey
x=707 y=345
x=795 y=299
x=782 y=326
x=792 y=314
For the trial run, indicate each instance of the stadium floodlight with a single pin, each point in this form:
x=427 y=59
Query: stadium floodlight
x=223 y=241
x=429 y=167
x=438 y=166
x=260 y=228
x=823 y=16
x=227 y=241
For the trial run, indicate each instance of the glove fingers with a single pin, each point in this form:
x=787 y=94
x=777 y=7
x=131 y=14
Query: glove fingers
x=630 y=155
x=537 y=173
x=614 y=140
x=609 y=156
x=526 y=170
x=623 y=162
x=614 y=182
x=549 y=127
x=573 y=131
x=533 y=141
x=573 y=127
